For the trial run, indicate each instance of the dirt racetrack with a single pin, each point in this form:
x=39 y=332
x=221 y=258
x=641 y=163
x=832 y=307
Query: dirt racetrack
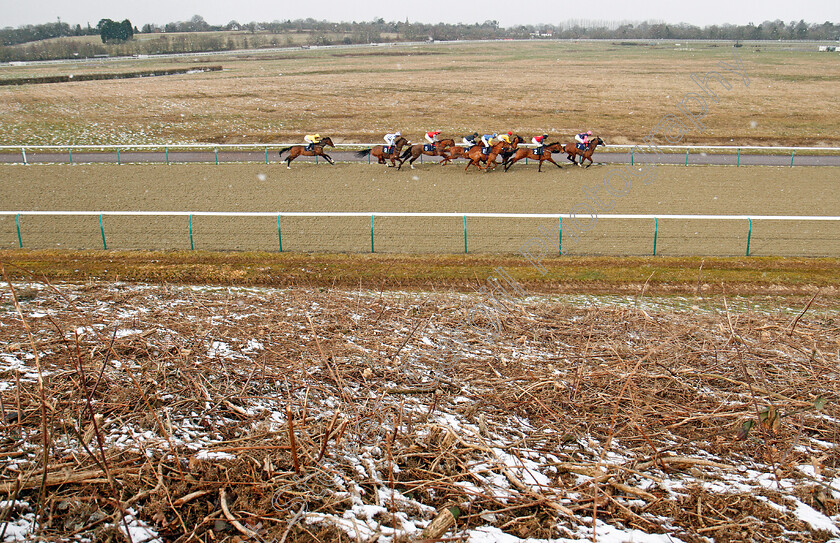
x=370 y=188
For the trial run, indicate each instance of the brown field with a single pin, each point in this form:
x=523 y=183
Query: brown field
x=430 y=188
x=359 y=94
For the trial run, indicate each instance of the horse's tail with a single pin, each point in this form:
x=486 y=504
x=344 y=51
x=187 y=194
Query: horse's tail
x=283 y=150
x=406 y=153
x=363 y=154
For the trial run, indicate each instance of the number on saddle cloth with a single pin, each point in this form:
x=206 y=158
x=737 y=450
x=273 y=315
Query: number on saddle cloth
x=387 y=150
x=428 y=147
x=581 y=146
x=486 y=150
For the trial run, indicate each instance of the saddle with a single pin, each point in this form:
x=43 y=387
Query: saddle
x=387 y=150
x=581 y=146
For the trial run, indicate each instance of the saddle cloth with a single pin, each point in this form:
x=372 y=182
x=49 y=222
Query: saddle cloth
x=387 y=150
x=581 y=146
x=428 y=147
x=485 y=150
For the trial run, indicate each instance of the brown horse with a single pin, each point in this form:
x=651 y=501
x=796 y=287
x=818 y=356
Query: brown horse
x=572 y=151
x=514 y=141
x=476 y=155
x=300 y=150
x=532 y=154
x=384 y=155
x=456 y=151
x=418 y=149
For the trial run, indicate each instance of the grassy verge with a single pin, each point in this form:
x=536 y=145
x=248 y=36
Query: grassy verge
x=763 y=275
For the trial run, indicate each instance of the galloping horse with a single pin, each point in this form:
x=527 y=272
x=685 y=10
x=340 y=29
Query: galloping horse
x=414 y=151
x=300 y=150
x=532 y=154
x=456 y=151
x=514 y=141
x=572 y=151
x=476 y=156
x=380 y=153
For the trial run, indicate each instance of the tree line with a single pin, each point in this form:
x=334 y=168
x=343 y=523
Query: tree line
x=28 y=42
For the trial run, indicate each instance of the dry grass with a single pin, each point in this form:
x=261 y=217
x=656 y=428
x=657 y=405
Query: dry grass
x=213 y=414
x=620 y=92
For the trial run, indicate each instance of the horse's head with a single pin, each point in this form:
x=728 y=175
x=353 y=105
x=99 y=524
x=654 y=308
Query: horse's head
x=400 y=141
x=596 y=141
x=327 y=141
x=517 y=139
x=554 y=147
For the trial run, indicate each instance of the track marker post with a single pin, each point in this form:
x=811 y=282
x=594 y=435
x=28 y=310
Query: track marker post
x=192 y=247
x=739 y=157
x=279 y=234
x=655 y=233
x=266 y=155
x=70 y=154
x=216 y=153
x=371 y=234
x=23 y=152
x=631 y=156
x=17 y=225
x=465 y=234
x=166 y=149
x=792 y=154
x=560 y=238
x=749 y=236
x=686 y=157
x=119 y=162
x=102 y=231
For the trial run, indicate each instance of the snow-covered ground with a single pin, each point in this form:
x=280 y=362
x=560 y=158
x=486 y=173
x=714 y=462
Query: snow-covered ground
x=543 y=419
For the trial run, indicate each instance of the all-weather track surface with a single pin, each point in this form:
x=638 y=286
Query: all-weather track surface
x=700 y=190
x=271 y=156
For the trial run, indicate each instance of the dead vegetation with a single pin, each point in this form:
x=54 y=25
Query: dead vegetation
x=218 y=414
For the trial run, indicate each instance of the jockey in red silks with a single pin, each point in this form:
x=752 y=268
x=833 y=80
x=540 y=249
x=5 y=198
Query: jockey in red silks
x=432 y=137
x=540 y=142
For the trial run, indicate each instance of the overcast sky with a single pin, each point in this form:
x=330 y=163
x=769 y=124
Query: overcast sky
x=507 y=13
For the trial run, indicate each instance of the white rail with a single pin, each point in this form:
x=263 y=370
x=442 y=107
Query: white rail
x=418 y=214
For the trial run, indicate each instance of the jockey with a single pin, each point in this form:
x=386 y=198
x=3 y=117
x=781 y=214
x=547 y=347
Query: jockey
x=470 y=140
x=312 y=140
x=540 y=142
x=583 y=139
x=488 y=139
x=506 y=137
x=390 y=139
x=432 y=137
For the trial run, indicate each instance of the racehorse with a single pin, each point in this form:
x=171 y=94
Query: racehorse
x=381 y=153
x=514 y=141
x=414 y=151
x=300 y=150
x=572 y=151
x=456 y=151
x=532 y=154
x=476 y=155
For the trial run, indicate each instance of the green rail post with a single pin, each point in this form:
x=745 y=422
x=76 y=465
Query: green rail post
x=17 y=224
x=70 y=153
x=655 y=233
x=23 y=152
x=369 y=158
x=166 y=149
x=631 y=156
x=192 y=247
x=119 y=162
x=686 y=157
x=560 y=238
x=102 y=231
x=316 y=159
x=526 y=160
x=739 y=157
x=266 y=155
x=749 y=236
x=216 y=153
x=371 y=234
x=279 y=234
x=465 y=234
x=421 y=158
x=792 y=154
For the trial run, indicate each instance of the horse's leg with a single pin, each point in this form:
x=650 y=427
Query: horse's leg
x=328 y=158
x=510 y=163
x=552 y=161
